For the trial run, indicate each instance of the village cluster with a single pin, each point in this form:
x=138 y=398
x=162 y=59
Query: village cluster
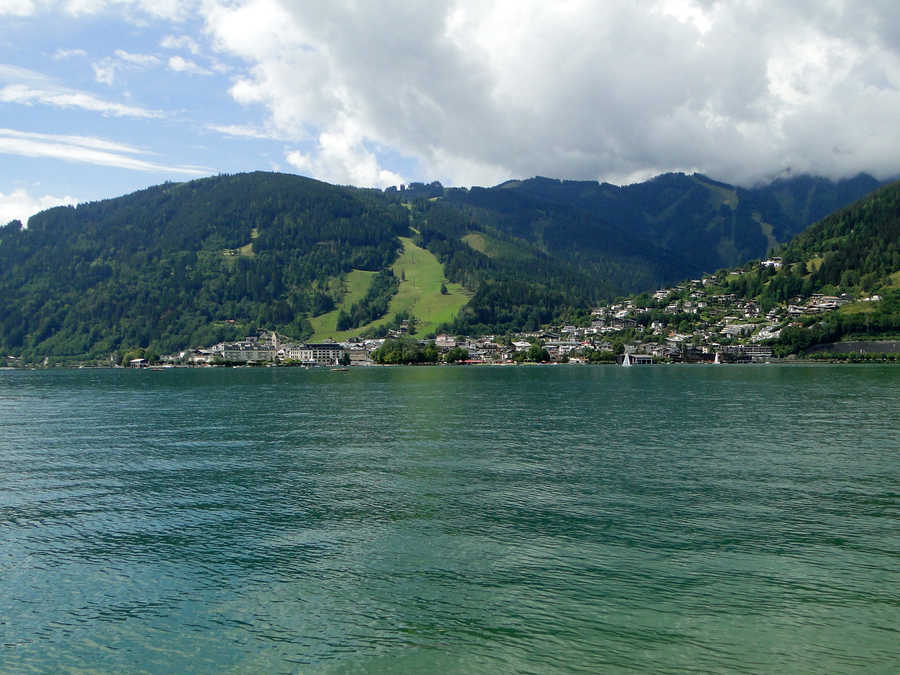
x=687 y=322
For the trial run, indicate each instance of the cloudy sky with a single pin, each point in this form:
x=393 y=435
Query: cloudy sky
x=102 y=97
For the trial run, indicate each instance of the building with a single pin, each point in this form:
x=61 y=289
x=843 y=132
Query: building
x=738 y=329
x=758 y=352
x=246 y=351
x=444 y=341
x=628 y=359
x=319 y=353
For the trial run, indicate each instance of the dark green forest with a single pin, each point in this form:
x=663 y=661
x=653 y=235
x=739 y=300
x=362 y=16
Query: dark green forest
x=854 y=251
x=189 y=264
x=652 y=233
x=510 y=293
x=375 y=303
x=170 y=267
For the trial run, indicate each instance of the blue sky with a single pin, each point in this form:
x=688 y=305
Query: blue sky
x=102 y=97
x=101 y=103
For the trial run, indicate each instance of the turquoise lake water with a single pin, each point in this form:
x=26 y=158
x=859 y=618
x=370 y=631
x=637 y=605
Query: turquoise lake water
x=507 y=519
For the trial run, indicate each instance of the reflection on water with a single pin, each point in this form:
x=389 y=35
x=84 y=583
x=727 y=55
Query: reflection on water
x=451 y=519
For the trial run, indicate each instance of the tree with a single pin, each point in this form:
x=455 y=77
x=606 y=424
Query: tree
x=131 y=355
x=457 y=354
x=403 y=350
x=537 y=354
x=443 y=288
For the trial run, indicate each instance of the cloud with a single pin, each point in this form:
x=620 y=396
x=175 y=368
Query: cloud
x=19 y=205
x=172 y=10
x=182 y=65
x=85 y=150
x=341 y=156
x=60 y=98
x=63 y=54
x=477 y=92
x=139 y=60
x=17 y=7
x=106 y=69
x=241 y=131
x=180 y=42
x=26 y=87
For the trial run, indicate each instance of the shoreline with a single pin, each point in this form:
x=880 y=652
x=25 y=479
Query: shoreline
x=771 y=362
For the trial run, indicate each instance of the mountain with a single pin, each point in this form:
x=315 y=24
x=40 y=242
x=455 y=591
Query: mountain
x=854 y=251
x=672 y=226
x=838 y=280
x=189 y=264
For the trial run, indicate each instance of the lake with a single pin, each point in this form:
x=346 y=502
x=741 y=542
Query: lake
x=451 y=519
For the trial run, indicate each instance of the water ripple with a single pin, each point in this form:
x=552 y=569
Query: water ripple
x=463 y=520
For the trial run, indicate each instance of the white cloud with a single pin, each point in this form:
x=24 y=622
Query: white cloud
x=81 y=7
x=576 y=89
x=86 y=150
x=180 y=42
x=83 y=141
x=475 y=91
x=172 y=10
x=17 y=7
x=63 y=54
x=19 y=205
x=340 y=156
x=182 y=65
x=241 y=131
x=25 y=95
x=17 y=74
x=140 y=60
x=105 y=71
x=26 y=87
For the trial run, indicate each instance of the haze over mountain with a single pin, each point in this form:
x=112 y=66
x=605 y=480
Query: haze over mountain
x=187 y=264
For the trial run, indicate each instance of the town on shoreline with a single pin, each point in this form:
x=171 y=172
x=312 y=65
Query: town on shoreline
x=693 y=322
x=697 y=321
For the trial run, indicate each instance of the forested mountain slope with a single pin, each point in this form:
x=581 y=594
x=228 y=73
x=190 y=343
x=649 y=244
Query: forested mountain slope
x=672 y=226
x=188 y=264
x=855 y=251
x=837 y=280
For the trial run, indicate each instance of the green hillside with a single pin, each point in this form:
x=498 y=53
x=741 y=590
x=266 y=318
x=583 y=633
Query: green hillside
x=421 y=276
x=185 y=265
x=419 y=295
x=353 y=289
x=514 y=284
x=188 y=264
x=638 y=236
x=837 y=281
x=855 y=251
